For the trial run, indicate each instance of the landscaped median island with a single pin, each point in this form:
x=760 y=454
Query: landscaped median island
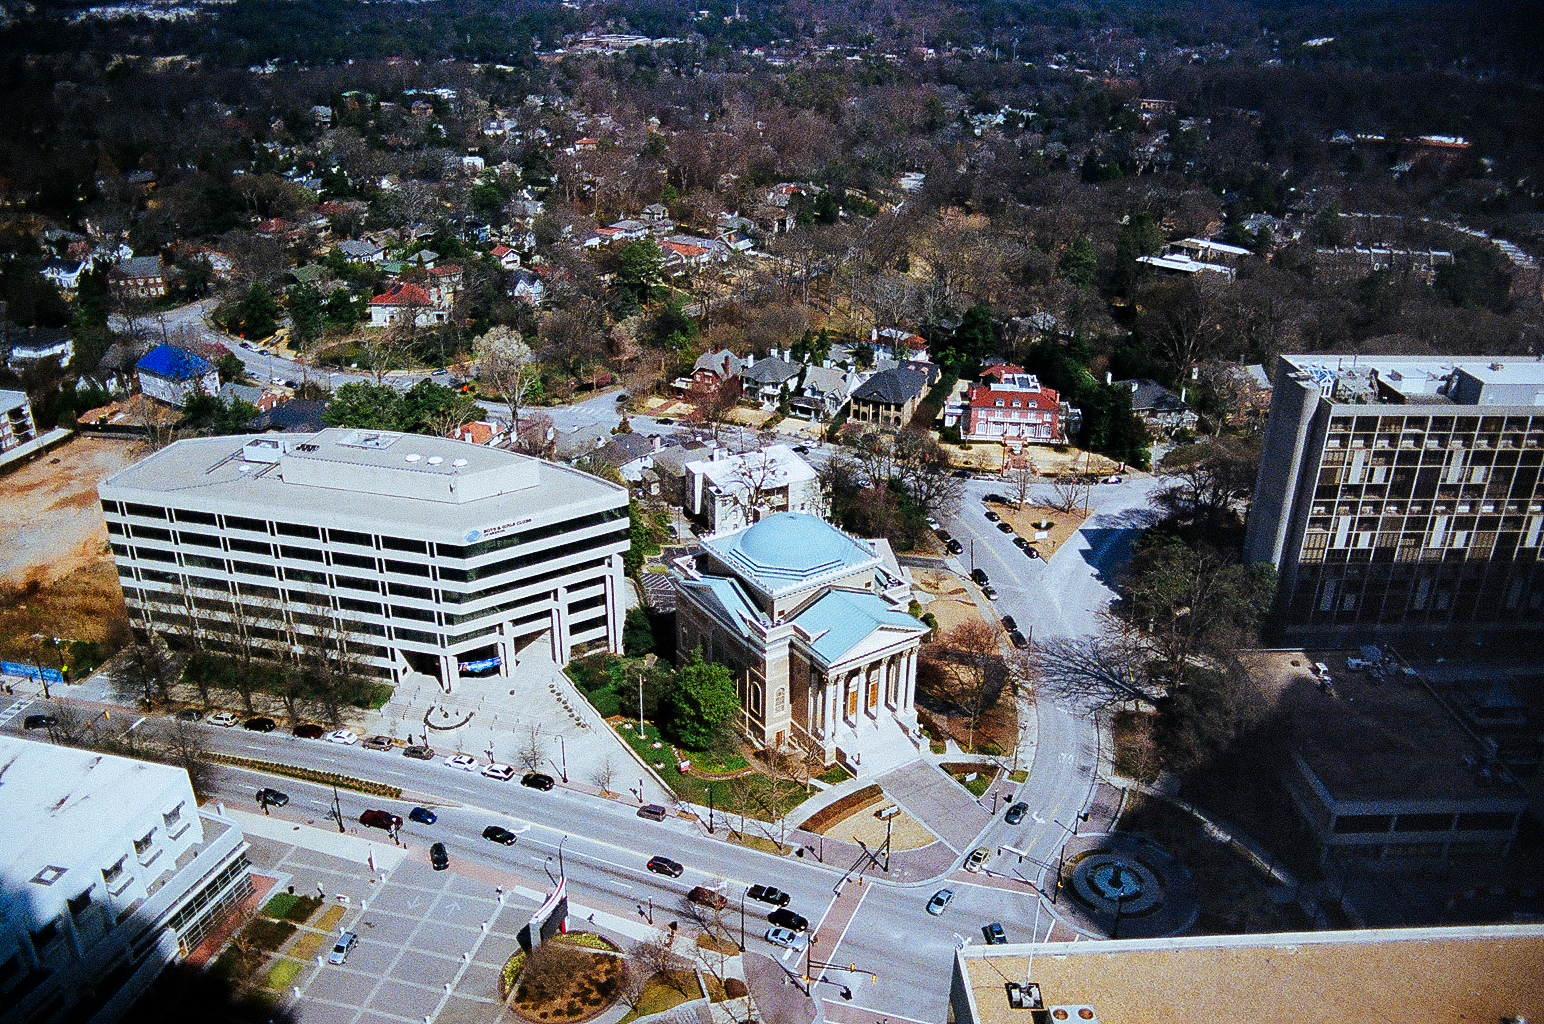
x=308 y=774
x=566 y=979
x=869 y=817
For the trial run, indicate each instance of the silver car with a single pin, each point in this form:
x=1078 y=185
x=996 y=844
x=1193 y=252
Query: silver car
x=340 y=952
x=940 y=900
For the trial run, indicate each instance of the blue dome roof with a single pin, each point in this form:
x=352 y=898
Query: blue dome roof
x=794 y=542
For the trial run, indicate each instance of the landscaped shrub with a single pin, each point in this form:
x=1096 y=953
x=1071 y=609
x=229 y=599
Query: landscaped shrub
x=839 y=809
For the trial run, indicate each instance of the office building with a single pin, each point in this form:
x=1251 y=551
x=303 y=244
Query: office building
x=110 y=873
x=814 y=624
x=1403 y=493
x=16 y=423
x=728 y=492
x=399 y=552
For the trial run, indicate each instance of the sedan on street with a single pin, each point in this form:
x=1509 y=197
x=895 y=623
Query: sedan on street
x=346 y=942
x=940 y=900
x=785 y=918
x=768 y=894
x=787 y=939
x=423 y=816
x=438 y=858
x=499 y=835
x=502 y=772
x=419 y=752
x=345 y=736
x=261 y=724
x=272 y=797
x=665 y=866
x=537 y=780
x=1015 y=814
x=309 y=731
x=466 y=762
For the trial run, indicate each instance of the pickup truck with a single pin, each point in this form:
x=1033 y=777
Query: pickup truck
x=768 y=894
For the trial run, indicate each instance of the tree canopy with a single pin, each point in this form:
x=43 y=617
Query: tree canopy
x=702 y=702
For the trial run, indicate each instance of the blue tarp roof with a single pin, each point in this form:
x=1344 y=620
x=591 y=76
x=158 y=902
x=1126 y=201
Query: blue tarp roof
x=173 y=363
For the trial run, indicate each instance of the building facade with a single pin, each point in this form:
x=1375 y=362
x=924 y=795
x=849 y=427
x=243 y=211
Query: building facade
x=1010 y=406
x=171 y=375
x=394 y=553
x=730 y=493
x=888 y=398
x=16 y=424
x=814 y=625
x=120 y=874
x=138 y=277
x=1403 y=492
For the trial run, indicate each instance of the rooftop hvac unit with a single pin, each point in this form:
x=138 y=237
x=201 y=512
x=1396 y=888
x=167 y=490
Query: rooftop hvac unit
x=1074 y=1015
x=262 y=449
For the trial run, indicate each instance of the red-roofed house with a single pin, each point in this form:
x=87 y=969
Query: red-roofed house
x=1010 y=406
x=444 y=283
x=402 y=300
x=508 y=258
x=480 y=432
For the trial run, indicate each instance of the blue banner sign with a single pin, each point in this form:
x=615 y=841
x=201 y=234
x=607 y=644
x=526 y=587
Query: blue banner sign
x=16 y=668
x=481 y=665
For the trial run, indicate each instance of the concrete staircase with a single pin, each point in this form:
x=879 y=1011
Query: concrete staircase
x=880 y=746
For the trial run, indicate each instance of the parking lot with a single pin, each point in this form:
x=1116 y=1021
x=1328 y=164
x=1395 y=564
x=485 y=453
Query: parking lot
x=431 y=944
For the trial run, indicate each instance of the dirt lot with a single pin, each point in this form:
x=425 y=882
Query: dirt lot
x=951 y=603
x=1063 y=524
x=56 y=575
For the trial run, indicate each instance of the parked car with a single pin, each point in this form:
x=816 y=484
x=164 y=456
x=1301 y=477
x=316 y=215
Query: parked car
x=345 y=736
x=654 y=812
x=380 y=819
x=786 y=938
x=663 y=421
x=1032 y=551
x=1020 y=543
x=260 y=724
x=979 y=856
x=989 y=592
x=1010 y=623
x=224 y=719
x=665 y=866
x=933 y=524
x=785 y=918
x=1015 y=814
x=961 y=474
x=992 y=517
x=995 y=499
x=955 y=547
x=466 y=762
x=271 y=797
x=940 y=900
x=705 y=897
x=537 y=780
x=499 y=835
x=1017 y=639
x=423 y=816
x=309 y=731
x=801 y=449
x=943 y=535
x=438 y=858
x=994 y=934
x=979 y=575
x=1005 y=527
x=419 y=752
x=768 y=894
x=189 y=715
x=378 y=743
x=502 y=772
x=39 y=722
x=346 y=942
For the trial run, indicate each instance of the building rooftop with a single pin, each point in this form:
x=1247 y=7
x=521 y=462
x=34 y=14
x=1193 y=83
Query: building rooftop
x=789 y=551
x=842 y=619
x=450 y=488
x=776 y=465
x=1475 y=974
x=173 y=363
x=56 y=795
x=1397 y=379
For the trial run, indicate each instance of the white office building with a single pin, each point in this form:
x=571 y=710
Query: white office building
x=402 y=553
x=729 y=492
x=110 y=872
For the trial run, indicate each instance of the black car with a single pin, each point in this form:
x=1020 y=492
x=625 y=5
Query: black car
x=499 y=835
x=309 y=731
x=665 y=866
x=994 y=934
x=802 y=449
x=988 y=591
x=995 y=499
x=943 y=535
x=1017 y=639
x=537 y=780
x=955 y=547
x=1005 y=527
x=663 y=420
x=785 y=918
x=1009 y=623
x=1020 y=542
x=1015 y=814
x=261 y=724
x=190 y=715
x=961 y=474
x=992 y=517
x=271 y=797
x=438 y=858
x=39 y=722
x=979 y=575
x=768 y=894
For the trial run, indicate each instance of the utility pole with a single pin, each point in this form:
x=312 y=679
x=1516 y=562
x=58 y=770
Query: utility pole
x=742 y=922
x=337 y=808
x=563 y=750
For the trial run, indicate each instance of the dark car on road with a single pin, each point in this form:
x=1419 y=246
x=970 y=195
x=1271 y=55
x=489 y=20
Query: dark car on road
x=768 y=894
x=380 y=819
x=1009 y=622
x=994 y=934
x=943 y=535
x=955 y=547
x=1005 y=527
x=39 y=722
x=309 y=731
x=423 y=816
x=261 y=724
x=995 y=499
x=1020 y=542
x=992 y=517
x=1015 y=814
x=1017 y=639
x=785 y=918
x=438 y=858
x=272 y=797
x=665 y=866
x=988 y=591
x=499 y=835
x=979 y=576
x=419 y=752
x=705 y=897
x=537 y=780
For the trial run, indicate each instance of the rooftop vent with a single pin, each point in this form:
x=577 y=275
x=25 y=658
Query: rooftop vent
x=262 y=449
x=1497 y=366
x=1073 y=1015
x=414 y=458
x=458 y=462
x=435 y=460
x=1024 y=996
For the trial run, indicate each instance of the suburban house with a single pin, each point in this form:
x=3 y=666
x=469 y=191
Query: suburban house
x=1010 y=406
x=888 y=398
x=727 y=493
x=1159 y=409
x=527 y=287
x=139 y=277
x=508 y=258
x=16 y=423
x=712 y=371
x=894 y=343
x=492 y=432
x=763 y=380
x=823 y=392
x=67 y=273
x=813 y=624
x=169 y=374
x=444 y=283
x=691 y=251
x=403 y=301
x=361 y=251
x=30 y=345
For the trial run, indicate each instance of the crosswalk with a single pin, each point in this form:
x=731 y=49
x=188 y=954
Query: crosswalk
x=16 y=708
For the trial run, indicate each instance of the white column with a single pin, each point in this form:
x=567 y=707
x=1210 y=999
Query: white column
x=614 y=611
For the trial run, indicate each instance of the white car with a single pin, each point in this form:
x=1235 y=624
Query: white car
x=466 y=762
x=979 y=856
x=787 y=938
x=502 y=772
x=344 y=736
x=224 y=719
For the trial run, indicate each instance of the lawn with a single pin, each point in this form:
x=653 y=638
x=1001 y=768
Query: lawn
x=660 y=995
x=282 y=974
x=287 y=906
x=759 y=796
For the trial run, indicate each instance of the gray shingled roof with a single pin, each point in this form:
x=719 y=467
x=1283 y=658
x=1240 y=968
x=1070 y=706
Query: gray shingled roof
x=770 y=371
x=893 y=387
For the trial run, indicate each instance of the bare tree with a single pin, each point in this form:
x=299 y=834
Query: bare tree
x=1101 y=670
x=658 y=958
x=970 y=656
x=148 y=666
x=604 y=774
x=508 y=365
x=1020 y=479
x=548 y=971
x=533 y=752
x=1069 y=493
x=182 y=744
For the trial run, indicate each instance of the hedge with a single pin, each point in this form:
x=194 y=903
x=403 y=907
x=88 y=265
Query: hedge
x=838 y=809
x=309 y=775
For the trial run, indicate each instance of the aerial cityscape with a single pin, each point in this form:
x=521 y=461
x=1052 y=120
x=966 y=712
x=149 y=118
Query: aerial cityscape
x=760 y=512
